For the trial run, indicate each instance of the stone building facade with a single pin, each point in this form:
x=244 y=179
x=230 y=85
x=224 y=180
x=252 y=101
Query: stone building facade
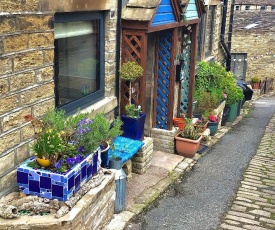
x=253 y=38
x=252 y=5
x=27 y=86
x=210 y=29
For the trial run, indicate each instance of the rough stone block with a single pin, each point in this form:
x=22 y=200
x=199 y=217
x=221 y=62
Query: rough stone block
x=41 y=40
x=14 y=43
x=8 y=181
x=9 y=140
x=8 y=24
x=34 y=22
x=42 y=107
x=22 y=153
x=19 y=5
x=127 y=167
x=37 y=93
x=27 y=132
x=4 y=86
x=15 y=119
x=21 y=81
x=6 y=64
x=49 y=56
x=44 y=74
x=28 y=60
x=7 y=162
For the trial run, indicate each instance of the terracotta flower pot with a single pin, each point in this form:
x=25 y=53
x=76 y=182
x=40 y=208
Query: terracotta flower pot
x=179 y=122
x=255 y=85
x=187 y=147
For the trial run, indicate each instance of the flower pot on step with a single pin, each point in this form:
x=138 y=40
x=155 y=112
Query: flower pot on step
x=133 y=127
x=187 y=147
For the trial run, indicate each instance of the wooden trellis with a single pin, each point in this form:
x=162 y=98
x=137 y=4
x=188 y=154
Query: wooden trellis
x=134 y=49
x=164 y=80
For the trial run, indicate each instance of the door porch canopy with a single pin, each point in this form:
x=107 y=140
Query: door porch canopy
x=141 y=17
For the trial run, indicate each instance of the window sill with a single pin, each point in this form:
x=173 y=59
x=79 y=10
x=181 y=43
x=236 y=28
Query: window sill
x=105 y=105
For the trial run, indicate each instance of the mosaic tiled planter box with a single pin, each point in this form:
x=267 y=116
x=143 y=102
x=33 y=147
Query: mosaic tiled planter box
x=52 y=185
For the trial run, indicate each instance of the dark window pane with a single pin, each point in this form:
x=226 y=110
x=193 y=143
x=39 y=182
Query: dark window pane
x=77 y=60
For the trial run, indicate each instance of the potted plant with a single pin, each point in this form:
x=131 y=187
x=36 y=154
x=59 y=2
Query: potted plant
x=255 y=82
x=201 y=124
x=188 y=140
x=213 y=124
x=107 y=131
x=71 y=145
x=134 y=119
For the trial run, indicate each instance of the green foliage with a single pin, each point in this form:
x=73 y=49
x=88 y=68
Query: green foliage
x=234 y=95
x=213 y=78
x=133 y=111
x=189 y=131
x=130 y=71
x=206 y=101
x=64 y=140
x=255 y=79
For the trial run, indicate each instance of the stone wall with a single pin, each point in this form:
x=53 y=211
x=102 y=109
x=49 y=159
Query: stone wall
x=93 y=211
x=259 y=46
x=26 y=73
x=164 y=140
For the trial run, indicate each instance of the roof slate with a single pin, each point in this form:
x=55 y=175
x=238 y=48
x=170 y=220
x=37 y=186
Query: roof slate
x=265 y=20
x=143 y=3
x=138 y=14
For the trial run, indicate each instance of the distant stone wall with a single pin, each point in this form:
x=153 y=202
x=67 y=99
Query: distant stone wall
x=26 y=71
x=260 y=49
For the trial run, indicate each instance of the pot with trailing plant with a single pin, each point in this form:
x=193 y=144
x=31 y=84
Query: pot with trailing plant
x=188 y=140
x=134 y=119
x=201 y=124
x=213 y=124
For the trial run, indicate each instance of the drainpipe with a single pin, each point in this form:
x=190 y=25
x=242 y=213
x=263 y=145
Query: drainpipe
x=231 y=24
x=228 y=58
x=118 y=41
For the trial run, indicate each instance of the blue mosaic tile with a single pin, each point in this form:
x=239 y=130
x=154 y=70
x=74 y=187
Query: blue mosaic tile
x=45 y=182
x=52 y=185
x=22 y=177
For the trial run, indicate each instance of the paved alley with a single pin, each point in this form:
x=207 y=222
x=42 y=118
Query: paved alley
x=203 y=196
x=254 y=205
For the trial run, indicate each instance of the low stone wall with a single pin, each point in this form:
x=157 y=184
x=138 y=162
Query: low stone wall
x=164 y=140
x=93 y=211
x=141 y=161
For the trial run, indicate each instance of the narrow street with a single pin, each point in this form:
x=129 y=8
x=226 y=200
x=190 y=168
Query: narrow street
x=204 y=195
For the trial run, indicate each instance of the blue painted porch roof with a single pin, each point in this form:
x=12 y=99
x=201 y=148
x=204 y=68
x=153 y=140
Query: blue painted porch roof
x=159 y=11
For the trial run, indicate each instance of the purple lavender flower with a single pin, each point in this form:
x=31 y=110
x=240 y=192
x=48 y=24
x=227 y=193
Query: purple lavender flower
x=58 y=164
x=81 y=149
x=78 y=158
x=70 y=160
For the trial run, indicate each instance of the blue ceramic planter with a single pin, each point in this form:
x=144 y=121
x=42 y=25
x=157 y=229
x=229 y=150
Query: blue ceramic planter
x=133 y=127
x=50 y=185
x=213 y=126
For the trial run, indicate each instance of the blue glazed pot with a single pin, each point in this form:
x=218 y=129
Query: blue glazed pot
x=133 y=127
x=213 y=126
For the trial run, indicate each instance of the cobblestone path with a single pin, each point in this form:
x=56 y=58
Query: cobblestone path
x=253 y=207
